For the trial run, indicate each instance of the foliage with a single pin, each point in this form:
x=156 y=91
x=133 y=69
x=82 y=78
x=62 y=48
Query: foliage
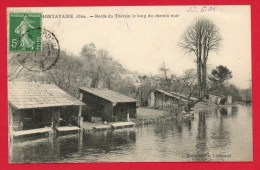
x=219 y=77
x=100 y=66
x=97 y=68
x=246 y=95
x=68 y=74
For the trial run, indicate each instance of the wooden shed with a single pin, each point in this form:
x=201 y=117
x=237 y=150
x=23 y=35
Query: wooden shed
x=106 y=104
x=38 y=108
x=162 y=99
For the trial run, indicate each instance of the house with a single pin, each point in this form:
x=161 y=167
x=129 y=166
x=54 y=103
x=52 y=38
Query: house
x=229 y=100
x=39 y=108
x=107 y=105
x=215 y=98
x=220 y=99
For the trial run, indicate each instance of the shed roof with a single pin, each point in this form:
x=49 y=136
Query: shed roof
x=165 y=92
x=25 y=95
x=217 y=95
x=109 y=95
x=183 y=96
x=176 y=95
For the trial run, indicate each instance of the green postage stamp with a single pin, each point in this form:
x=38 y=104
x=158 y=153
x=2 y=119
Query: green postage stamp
x=24 y=32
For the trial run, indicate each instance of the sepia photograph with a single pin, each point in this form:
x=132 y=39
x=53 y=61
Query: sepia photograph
x=129 y=84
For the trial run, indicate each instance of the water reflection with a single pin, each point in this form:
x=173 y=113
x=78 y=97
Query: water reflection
x=223 y=112
x=28 y=150
x=220 y=133
x=213 y=131
x=109 y=140
x=234 y=112
x=202 y=153
x=63 y=147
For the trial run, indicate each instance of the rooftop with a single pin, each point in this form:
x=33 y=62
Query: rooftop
x=25 y=95
x=176 y=95
x=109 y=95
x=183 y=96
x=165 y=92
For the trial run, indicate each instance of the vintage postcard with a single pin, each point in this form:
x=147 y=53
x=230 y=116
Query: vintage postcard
x=129 y=84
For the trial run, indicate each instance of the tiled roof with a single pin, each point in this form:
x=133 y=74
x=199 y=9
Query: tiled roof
x=109 y=95
x=24 y=95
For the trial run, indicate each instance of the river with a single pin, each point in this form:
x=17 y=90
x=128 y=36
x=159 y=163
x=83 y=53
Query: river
x=216 y=134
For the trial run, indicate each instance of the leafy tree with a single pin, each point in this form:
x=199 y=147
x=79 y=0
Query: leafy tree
x=219 y=77
x=231 y=90
x=89 y=51
x=246 y=95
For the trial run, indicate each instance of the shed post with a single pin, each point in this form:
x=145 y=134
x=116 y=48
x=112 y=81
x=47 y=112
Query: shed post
x=152 y=99
x=80 y=110
x=52 y=119
x=10 y=132
x=112 y=112
x=162 y=99
x=80 y=119
x=127 y=117
x=10 y=122
x=56 y=117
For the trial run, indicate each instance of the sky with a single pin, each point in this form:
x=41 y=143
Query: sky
x=143 y=44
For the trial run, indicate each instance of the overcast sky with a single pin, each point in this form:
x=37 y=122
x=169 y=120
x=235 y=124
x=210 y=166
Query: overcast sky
x=144 y=44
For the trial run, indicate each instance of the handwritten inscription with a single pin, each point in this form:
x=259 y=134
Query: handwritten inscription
x=201 y=9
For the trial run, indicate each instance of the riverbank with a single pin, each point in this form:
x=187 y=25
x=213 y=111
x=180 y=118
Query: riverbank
x=145 y=115
x=206 y=105
x=210 y=133
x=150 y=115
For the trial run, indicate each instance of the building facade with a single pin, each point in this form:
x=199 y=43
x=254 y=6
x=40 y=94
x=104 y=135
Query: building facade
x=33 y=106
x=107 y=105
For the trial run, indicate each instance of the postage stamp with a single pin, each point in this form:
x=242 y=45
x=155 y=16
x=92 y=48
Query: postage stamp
x=22 y=33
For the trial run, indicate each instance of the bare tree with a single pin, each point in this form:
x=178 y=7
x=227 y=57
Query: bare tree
x=68 y=74
x=189 y=80
x=176 y=83
x=165 y=71
x=15 y=69
x=200 y=39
